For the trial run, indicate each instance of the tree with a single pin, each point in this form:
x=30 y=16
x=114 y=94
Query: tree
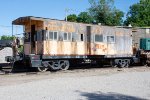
x=72 y=18
x=139 y=14
x=4 y=37
x=116 y=17
x=103 y=11
x=84 y=17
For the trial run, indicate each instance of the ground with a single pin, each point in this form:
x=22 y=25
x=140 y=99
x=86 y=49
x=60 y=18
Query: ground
x=78 y=84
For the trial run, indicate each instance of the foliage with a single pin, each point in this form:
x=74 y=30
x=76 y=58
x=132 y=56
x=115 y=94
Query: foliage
x=72 y=18
x=139 y=14
x=104 y=12
x=101 y=11
x=4 y=37
x=20 y=49
x=84 y=17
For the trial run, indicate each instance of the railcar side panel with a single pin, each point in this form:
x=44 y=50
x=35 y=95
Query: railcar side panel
x=57 y=42
x=113 y=40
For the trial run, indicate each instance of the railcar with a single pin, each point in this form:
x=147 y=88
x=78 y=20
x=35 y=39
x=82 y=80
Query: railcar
x=57 y=44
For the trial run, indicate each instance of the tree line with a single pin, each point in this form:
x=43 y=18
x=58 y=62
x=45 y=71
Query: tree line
x=104 y=12
x=5 y=37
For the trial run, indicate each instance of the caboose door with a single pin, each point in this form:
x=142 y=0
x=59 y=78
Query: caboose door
x=88 y=40
x=32 y=43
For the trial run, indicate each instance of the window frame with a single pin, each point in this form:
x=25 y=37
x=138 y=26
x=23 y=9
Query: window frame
x=39 y=35
x=67 y=36
x=70 y=36
x=64 y=36
x=74 y=37
x=53 y=39
x=82 y=37
x=110 y=41
x=99 y=35
x=54 y=35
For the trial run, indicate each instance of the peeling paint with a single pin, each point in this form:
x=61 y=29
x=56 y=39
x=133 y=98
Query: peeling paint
x=121 y=45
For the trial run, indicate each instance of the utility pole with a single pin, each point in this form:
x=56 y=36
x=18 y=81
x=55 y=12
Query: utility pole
x=66 y=11
x=12 y=29
x=16 y=30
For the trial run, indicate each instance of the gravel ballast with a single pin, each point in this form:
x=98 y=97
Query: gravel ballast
x=128 y=85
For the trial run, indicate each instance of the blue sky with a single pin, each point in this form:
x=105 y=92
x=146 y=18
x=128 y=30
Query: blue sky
x=55 y=9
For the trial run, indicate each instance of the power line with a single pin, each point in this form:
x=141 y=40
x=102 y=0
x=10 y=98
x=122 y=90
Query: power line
x=4 y=26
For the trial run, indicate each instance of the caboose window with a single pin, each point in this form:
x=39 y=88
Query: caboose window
x=65 y=36
x=69 y=36
x=51 y=35
x=98 y=38
x=110 y=39
x=74 y=37
x=39 y=36
x=55 y=35
x=82 y=37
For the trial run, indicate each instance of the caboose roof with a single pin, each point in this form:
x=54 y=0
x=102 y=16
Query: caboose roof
x=23 y=20
x=27 y=19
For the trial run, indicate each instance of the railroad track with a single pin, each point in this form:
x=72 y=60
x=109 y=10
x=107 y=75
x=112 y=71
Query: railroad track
x=6 y=70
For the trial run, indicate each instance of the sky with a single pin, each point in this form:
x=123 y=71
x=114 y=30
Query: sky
x=55 y=9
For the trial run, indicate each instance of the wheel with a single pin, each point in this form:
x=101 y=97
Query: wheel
x=64 y=65
x=121 y=63
x=42 y=69
x=54 y=65
x=124 y=63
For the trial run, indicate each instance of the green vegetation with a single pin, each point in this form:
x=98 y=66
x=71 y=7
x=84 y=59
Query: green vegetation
x=72 y=18
x=139 y=14
x=104 y=12
x=101 y=11
x=4 y=37
x=20 y=49
x=84 y=17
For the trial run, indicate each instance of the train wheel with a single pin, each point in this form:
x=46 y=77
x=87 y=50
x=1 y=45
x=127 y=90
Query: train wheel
x=64 y=65
x=113 y=64
x=124 y=63
x=54 y=65
x=42 y=69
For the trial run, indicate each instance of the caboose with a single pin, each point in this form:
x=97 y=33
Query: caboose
x=57 y=44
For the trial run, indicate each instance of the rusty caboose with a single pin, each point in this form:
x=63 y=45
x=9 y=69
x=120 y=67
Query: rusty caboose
x=57 y=44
